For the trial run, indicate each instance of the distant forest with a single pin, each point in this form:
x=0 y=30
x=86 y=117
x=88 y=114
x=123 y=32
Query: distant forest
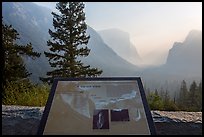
x=183 y=100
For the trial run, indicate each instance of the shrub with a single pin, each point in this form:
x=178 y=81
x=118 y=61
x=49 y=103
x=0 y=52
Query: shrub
x=25 y=93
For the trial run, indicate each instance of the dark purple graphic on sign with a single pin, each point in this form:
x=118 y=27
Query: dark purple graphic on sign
x=119 y=115
x=100 y=119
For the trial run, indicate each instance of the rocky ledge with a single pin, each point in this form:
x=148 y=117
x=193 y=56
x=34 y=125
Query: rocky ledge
x=24 y=120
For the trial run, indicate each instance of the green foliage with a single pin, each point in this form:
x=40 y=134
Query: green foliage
x=183 y=95
x=26 y=94
x=190 y=100
x=194 y=100
x=199 y=97
x=155 y=101
x=14 y=67
x=187 y=100
x=170 y=105
x=69 y=42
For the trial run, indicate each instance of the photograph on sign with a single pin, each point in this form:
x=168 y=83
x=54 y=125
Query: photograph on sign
x=100 y=119
x=96 y=107
x=119 y=115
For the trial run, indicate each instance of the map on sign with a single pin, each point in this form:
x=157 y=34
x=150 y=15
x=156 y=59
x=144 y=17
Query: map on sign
x=100 y=106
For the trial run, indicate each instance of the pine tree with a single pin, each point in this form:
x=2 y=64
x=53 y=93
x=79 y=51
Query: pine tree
x=193 y=96
x=156 y=92
x=166 y=97
x=14 y=67
x=68 y=43
x=167 y=100
x=162 y=93
x=155 y=101
x=169 y=104
x=200 y=96
x=175 y=97
x=183 y=96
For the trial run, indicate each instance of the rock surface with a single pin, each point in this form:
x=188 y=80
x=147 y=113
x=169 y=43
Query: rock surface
x=24 y=120
x=177 y=123
x=20 y=120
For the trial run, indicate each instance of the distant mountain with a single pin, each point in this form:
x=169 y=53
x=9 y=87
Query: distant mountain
x=120 y=42
x=184 y=62
x=186 y=57
x=33 y=21
x=103 y=56
x=189 y=51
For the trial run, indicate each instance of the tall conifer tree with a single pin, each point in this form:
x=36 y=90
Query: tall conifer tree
x=68 y=43
x=14 y=67
x=193 y=96
x=183 y=95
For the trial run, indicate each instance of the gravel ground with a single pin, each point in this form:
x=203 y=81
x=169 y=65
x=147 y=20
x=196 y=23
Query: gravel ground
x=24 y=120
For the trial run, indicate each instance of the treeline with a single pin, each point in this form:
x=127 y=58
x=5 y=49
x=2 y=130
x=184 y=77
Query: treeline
x=184 y=100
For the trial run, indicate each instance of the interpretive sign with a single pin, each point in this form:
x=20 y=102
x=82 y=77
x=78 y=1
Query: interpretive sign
x=104 y=105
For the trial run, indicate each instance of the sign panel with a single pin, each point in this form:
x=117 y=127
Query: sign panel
x=97 y=106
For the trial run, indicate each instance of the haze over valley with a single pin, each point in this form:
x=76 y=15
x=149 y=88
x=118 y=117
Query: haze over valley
x=112 y=50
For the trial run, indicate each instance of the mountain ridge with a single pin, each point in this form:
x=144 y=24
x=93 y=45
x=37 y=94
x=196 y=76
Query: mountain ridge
x=120 y=42
x=34 y=29
x=184 y=61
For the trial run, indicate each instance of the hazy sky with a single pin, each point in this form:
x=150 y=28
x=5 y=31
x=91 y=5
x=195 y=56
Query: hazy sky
x=153 y=26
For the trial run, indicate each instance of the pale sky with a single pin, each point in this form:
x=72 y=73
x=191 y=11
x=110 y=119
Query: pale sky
x=153 y=26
